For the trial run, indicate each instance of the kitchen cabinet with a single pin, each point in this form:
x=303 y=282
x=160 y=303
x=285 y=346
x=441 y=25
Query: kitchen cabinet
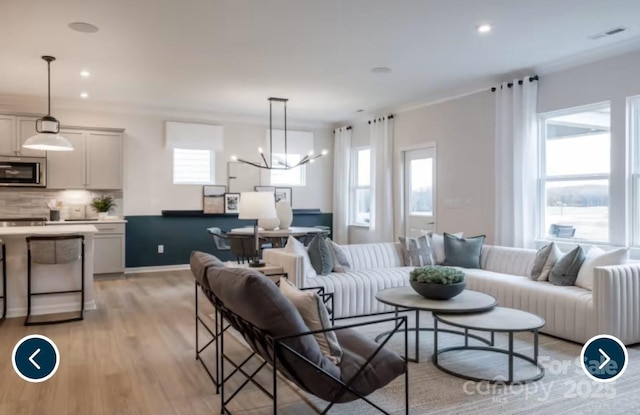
x=104 y=160
x=108 y=245
x=66 y=169
x=95 y=163
x=14 y=131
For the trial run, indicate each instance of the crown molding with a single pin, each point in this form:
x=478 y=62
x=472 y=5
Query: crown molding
x=593 y=55
x=34 y=105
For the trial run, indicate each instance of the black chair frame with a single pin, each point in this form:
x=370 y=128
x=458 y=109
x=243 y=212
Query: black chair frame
x=272 y=351
x=28 y=321
x=3 y=297
x=218 y=328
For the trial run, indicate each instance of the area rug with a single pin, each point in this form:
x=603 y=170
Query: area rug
x=565 y=389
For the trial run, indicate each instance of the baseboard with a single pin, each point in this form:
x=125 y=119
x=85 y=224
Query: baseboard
x=160 y=268
x=49 y=309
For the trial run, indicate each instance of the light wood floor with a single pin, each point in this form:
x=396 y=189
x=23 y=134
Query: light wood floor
x=133 y=355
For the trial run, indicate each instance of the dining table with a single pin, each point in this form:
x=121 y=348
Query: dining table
x=277 y=237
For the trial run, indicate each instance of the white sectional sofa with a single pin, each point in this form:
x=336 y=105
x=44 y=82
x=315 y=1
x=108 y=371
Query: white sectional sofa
x=572 y=313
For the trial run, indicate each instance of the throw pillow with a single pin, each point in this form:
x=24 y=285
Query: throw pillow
x=546 y=258
x=320 y=255
x=565 y=271
x=340 y=257
x=436 y=241
x=416 y=252
x=316 y=317
x=297 y=248
x=463 y=252
x=596 y=257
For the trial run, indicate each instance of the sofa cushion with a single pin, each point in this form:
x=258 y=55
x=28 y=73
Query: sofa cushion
x=354 y=291
x=546 y=258
x=463 y=252
x=199 y=262
x=596 y=257
x=340 y=257
x=567 y=310
x=416 y=252
x=436 y=241
x=373 y=256
x=384 y=368
x=315 y=316
x=320 y=255
x=296 y=247
x=507 y=260
x=565 y=271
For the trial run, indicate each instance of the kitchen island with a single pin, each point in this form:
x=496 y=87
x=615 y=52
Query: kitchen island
x=46 y=277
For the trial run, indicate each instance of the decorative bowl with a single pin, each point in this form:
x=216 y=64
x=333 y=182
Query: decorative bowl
x=438 y=291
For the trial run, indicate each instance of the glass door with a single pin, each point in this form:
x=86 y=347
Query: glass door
x=419 y=191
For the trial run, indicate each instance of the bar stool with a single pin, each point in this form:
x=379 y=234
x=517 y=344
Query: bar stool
x=4 y=281
x=52 y=250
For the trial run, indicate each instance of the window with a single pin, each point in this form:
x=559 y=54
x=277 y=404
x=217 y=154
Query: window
x=293 y=177
x=574 y=179
x=361 y=193
x=193 y=166
x=421 y=191
x=299 y=143
x=634 y=130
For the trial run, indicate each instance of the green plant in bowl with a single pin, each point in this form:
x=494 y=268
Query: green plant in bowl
x=437 y=282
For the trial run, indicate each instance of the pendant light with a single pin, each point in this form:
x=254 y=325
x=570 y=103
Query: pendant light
x=268 y=163
x=48 y=127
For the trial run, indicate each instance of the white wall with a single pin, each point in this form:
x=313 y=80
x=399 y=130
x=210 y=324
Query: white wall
x=148 y=186
x=463 y=131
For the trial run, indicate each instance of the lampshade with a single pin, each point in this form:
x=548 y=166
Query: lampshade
x=257 y=205
x=48 y=142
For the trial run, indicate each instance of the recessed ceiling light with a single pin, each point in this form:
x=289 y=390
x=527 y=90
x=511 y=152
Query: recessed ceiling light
x=84 y=73
x=360 y=110
x=484 y=28
x=83 y=27
x=84 y=95
x=381 y=69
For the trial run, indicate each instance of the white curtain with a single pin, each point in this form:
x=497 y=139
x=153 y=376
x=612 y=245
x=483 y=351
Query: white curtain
x=516 y=160
x=341 y=169
x=381 y=211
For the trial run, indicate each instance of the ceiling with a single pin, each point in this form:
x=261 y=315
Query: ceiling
x=229 y=56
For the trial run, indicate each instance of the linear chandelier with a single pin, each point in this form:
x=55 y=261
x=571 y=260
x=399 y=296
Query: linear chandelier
x=277 y=163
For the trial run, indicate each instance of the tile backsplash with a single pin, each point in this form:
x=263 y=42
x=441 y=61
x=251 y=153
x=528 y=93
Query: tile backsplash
x=15 y=202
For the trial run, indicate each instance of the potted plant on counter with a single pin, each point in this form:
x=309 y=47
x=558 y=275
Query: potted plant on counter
x=103 y=205
x=437 y=282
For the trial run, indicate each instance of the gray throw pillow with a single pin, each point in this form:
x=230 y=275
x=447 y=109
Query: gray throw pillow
x=565 y=271
x=320 y=255
x=463 y=252
x=416 y=252
x=340 y=259
x=546 y=258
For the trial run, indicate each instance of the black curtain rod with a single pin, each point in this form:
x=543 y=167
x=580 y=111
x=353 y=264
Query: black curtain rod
x=510 y=84
x=388 y=117
x=348 y=127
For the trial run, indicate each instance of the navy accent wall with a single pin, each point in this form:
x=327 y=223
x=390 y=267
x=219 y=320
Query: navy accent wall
x=181 y=235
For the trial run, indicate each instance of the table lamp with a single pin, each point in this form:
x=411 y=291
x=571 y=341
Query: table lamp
x=257 y=205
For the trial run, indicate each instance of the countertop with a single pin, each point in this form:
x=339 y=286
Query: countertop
x=47 y=230
x=85 y=222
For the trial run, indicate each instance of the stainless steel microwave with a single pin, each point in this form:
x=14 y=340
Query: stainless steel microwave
x=23 y=171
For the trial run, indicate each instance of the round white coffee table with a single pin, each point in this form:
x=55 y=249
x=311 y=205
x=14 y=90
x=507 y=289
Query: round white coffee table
x=406 y=298
x=498 y=319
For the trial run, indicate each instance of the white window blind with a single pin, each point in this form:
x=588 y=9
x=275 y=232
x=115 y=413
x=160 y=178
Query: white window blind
x=192 y=166
x=194 y=136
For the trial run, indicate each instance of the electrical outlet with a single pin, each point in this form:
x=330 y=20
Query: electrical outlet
x=161 y=249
